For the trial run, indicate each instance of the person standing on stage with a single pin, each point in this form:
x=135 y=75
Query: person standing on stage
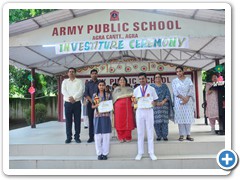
x=91 y=87
x=212 y=103
x=114 y=86
x=72 y=90
x=123 y=110
x=183 y=98
x=84 y=112
x=163 y=110
x=145 y=117
x=102 y=122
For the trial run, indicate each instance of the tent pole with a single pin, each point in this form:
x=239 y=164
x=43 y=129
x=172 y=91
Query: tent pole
x=60 y=102
x=196 y=93
x=33 y=120
x=217 y=62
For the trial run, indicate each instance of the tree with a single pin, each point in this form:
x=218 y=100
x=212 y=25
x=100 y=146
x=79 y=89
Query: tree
x=16 y=15
x=19 y=83
x=18 y=78
x=207 y=75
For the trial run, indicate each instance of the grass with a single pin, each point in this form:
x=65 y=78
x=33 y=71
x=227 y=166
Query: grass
x=17 y=123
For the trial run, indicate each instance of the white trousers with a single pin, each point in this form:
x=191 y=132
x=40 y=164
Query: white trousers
x=184 y=129
x=102 y=143
x=145 y=120
x=85 y=121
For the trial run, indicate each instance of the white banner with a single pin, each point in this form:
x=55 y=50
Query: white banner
x=122 y=45
x=130 y=24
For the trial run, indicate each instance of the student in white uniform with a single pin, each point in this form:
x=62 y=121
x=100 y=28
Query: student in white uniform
x=145 y=117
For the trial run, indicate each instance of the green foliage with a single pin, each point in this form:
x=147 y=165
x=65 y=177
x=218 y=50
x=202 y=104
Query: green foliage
x=16 y=15
x=18 y=78
x=207 y=75
x=40 y=113
x=19 y=83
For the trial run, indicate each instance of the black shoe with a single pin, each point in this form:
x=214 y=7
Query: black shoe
x=159 y=139
x=104 y=157
x=221 y=132
x=90 y=140
x=68 y=141
x=78 y=140
x=100 y=157
x=189 y=138
x=85 y=127
x=165 y=139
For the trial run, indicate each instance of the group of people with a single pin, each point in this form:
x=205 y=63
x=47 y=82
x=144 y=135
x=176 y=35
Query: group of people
x=126 y=117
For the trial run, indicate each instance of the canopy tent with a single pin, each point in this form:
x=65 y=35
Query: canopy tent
x=32 y=42
x=206 y=41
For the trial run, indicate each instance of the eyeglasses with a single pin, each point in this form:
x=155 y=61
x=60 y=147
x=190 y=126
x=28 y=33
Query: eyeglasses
x=141 y=78
x=71 y=71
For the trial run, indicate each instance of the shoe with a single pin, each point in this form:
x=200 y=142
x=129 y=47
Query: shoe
x=153 y=157
x=121 y=141
x=78 y=140
x=189 y=138
x=221 y=132
x=138 y=157
x=104 y=157
x=68 y=141
x=85 y=127
x=165 y=139
x=100 y=157
x=159 y=139
x=128 y=141
x=181 y=138
x=90 y=140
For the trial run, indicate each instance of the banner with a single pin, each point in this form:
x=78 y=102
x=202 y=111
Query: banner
x=122 y=45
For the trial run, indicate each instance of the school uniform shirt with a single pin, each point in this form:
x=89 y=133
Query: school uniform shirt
x=149 y=92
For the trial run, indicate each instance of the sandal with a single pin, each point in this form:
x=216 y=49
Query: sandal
x=181 y=138
x=189 y=138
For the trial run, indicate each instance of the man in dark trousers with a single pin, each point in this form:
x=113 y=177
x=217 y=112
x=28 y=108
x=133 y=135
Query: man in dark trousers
x=91 y=87
x=72 y=90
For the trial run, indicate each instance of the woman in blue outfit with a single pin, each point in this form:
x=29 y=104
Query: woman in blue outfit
x=102 y=123
x=163 y=111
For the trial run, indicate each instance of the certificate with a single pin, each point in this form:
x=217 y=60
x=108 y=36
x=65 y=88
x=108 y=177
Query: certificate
x=145 y=102
x=105 y=106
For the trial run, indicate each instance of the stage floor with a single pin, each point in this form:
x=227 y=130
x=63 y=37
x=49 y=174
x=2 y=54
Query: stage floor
x=53 y=132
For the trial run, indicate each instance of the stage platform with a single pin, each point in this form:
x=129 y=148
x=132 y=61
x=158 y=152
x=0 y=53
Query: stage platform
x=44 y=148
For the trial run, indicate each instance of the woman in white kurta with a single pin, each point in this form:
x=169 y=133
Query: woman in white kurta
x=184 y=97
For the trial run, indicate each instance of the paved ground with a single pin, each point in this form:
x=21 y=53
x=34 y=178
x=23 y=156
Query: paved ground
x=53 y=132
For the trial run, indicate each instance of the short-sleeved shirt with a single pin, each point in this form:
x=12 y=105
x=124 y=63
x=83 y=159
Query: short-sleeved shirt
x=150 y=92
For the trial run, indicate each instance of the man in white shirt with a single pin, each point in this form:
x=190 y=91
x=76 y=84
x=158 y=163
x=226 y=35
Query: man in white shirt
x=72 y=90
x=145 y=117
